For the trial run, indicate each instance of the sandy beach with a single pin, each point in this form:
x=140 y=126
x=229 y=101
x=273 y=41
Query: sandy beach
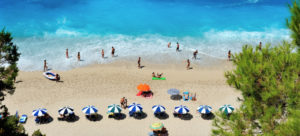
x=104 y=84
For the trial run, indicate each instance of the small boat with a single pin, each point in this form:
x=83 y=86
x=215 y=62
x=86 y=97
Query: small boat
x=50 y=75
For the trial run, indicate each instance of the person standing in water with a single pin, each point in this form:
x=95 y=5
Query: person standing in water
x=78 y=56
x=188 y=64
x=259 y=47
x=195 y=54
x=112 y=51
x=177 y=49
x=45 y=66
x=139 y=62
x=102 y=53
x=169 y=45
x=229 y=55
x=67 y=53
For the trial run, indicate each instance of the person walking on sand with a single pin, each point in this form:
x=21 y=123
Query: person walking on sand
x=67 y=53
x=112 y=51
x=78 y=56
x=57 y=77
x=139 y=62
x=45 y=66
x=188 y=64
x=169 y=45
x=102 y=53
x=177 y=49
x=229 y=55
x=195 y=54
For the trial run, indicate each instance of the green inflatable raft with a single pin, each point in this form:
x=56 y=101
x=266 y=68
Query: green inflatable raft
x=156 y=78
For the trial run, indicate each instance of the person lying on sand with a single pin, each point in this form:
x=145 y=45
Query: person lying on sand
x=123 y=102
x=153 y=74
x=159 y=75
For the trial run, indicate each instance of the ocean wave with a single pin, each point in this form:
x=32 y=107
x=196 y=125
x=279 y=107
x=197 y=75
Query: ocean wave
x=52 y=46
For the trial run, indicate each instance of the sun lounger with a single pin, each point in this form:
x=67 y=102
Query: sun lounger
x=23 y=119
x=37 y=120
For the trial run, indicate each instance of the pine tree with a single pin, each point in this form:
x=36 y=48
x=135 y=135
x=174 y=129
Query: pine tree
x=294 y=23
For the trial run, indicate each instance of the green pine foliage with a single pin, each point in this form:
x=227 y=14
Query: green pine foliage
x=10 y=127
x=269 y=80
x=9 y=56
x=38 y=133
x=293 y=23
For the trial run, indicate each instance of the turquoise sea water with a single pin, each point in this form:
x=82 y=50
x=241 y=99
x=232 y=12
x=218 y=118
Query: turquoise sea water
x=43 y=29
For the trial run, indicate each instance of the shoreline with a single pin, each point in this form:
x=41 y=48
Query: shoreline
x=104 y=84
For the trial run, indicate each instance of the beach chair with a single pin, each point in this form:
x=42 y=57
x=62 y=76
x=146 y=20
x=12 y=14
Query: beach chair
x=37 y=120
x=23 y=119
x=110 y=114
x=131 y=114
x=185 y=96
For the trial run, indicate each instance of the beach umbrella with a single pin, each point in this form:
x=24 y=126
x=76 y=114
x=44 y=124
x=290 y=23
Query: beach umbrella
x=173 y=91
x=114 y=108
x=39 y=112
x=181 y=109
x=89 y=110
x=227 y=108
x=134 y=107
x=204 y=109
x=143 y=87
x=158 y=108
x=157 y=126
x=65 y=110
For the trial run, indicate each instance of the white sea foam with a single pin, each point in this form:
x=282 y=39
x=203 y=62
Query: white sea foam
x=52 y=47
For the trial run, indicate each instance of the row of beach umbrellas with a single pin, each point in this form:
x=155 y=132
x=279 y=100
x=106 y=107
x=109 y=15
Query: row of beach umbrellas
x=134 y=107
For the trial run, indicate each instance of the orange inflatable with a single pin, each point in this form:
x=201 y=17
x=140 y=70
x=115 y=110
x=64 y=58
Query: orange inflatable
x=143 y=87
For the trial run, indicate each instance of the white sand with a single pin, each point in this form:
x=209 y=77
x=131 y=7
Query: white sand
x=102 y=85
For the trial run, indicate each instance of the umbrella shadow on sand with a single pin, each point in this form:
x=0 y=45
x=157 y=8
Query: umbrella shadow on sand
x=140 y=115
x=162 y=116
x=73 y=119
x=187 y=116
x=95 y=117
x=209 y=116
x=119 y=116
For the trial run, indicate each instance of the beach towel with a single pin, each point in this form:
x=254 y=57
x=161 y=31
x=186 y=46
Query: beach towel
x=139 y=93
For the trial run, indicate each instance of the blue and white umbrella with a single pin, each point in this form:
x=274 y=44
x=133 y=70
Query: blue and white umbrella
x=66 y=110
x=134 y=107
x=181 y=109
x=204 y=109
x=89 y=110
x=39 y=112
x=227 y=108
x=114 y=108
x=158 y=108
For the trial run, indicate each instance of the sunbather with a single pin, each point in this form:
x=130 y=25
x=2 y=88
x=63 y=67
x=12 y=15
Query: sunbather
x=159 y=75
x=153 y=74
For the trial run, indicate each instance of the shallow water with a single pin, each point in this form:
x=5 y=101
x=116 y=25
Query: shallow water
x=43 y=29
